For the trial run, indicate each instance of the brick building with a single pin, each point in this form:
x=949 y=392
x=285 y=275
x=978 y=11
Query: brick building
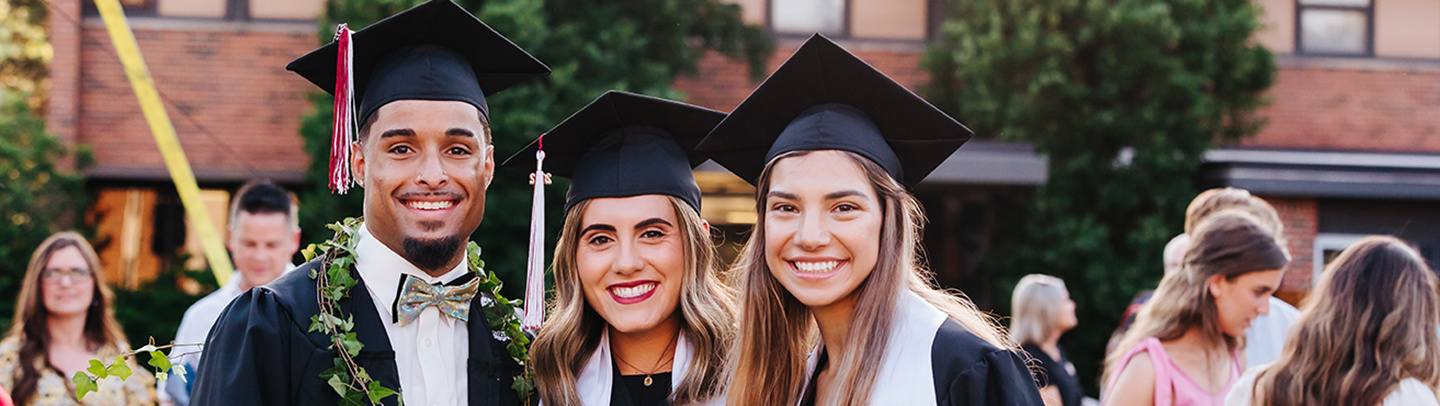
x=1352 y=144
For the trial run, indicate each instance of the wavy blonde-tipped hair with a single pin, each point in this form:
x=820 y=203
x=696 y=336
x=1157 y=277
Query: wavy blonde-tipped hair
x=1229 y=244
x=777 y=332
x=1369 y=324
x=1034 y=307
x=572 y=332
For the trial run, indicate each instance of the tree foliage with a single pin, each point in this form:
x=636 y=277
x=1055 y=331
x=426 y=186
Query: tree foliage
x=591 y=47
x=24 y=49
x=1124 y=96
x=36 y=197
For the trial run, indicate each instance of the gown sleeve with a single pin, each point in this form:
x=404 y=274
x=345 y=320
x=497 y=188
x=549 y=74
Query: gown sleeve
x=1000 y=378
x=246 y=357
x=972 y=372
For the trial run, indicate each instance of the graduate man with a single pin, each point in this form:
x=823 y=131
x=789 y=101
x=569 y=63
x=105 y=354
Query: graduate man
x=424 y=158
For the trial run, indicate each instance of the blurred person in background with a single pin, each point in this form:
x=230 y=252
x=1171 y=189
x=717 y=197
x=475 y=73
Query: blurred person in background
x=1185 y=345
x=1174 y=257
x=1366 y=336
x=264 y=235
x=1042 y=312
x=1266 y=336
x=63 y=320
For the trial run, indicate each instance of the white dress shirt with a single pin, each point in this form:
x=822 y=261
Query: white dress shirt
x=1265 y=338
x=431 y=352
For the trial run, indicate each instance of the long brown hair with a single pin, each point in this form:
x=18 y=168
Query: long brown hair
x=777 y=331
x=573 y=330
x=1230 y=243
x=31 y=316
x=1369 y=324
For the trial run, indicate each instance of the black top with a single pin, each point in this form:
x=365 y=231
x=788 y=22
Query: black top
x=825 y=98
x=261 y=352
x=1060 y=373
x=625 y=144
x=630 y=390
x=968 y=371
x=434 y=51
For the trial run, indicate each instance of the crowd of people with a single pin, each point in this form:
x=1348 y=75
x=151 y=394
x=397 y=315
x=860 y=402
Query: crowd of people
x=829 y=302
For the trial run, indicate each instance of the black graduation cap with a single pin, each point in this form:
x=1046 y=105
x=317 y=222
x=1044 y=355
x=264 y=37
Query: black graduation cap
x=434 y=51
x=625 y=144
x=824 y=97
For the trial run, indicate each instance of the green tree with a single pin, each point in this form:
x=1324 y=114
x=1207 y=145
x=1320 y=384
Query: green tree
x=25 y=49
x=36 y=197
x=1124 y=96
x=592 y=47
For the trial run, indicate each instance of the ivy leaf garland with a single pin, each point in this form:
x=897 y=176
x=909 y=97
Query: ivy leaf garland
x=350 y=380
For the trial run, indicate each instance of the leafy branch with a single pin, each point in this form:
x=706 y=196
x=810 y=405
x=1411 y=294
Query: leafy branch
x=85 y=380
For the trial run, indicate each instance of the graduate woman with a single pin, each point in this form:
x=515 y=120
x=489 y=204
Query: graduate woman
x=640 y=317
x=831 y=145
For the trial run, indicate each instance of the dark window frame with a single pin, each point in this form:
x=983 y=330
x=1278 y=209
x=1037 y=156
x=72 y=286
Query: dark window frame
x=1369 y=11
x=845 y=22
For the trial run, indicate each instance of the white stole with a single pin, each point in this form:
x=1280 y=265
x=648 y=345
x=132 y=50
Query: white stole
x=597 y=378
x=906 y=375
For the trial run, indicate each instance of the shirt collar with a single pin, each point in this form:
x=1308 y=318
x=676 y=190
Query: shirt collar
x=380 y=268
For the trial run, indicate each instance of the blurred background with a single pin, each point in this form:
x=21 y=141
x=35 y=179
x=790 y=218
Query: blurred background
x=1097 y=121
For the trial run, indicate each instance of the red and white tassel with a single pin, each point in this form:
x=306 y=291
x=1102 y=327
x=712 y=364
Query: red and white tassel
x=343 y=136
x=535 y=265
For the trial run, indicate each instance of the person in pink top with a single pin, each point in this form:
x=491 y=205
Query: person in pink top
x=1184 y=348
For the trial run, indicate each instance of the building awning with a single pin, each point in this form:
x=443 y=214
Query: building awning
x=1329 y=174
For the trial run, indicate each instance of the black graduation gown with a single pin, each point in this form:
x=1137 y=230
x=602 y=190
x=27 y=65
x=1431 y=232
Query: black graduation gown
x=260 y=353
x=968 y=371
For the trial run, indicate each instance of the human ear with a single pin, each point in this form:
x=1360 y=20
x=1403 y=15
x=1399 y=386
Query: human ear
x=357 y=162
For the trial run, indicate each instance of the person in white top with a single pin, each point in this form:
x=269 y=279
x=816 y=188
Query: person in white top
x=264 y=234
x=1366 y=336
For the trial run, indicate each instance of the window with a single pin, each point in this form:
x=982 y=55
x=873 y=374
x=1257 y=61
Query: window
x=1327 y=247
x=1335 y=27
x=808 y=16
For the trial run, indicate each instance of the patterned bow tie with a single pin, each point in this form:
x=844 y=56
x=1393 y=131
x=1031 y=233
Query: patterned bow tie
x=452 y=298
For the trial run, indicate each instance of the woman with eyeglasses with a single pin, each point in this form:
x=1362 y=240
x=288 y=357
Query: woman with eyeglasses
x=63 y=319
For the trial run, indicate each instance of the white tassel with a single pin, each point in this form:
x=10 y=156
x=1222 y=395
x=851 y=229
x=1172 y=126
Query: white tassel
x=535 y=265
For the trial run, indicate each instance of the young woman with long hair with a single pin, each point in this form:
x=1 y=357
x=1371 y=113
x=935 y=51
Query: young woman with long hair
x=1184 y=348
x=1366 y=336
x=640 y=316
x=831 y=145
x=63 y=319
x=1041 y=312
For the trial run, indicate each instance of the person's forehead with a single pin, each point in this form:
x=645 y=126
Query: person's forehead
x=825 y=169
x=67 y=257
x=436 y=113
x=624 y=211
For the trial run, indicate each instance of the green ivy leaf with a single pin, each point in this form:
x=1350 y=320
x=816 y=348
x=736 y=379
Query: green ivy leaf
x=97 y=369
x=351 y=344
x=159 y=361
x=378 y=392
x=119 y=369
x=83 y=384
x=338 y=384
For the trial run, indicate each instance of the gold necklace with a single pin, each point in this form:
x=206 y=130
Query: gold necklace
x=658 y=362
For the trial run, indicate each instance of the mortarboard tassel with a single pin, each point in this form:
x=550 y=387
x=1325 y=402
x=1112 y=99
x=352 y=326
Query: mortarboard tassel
x=535 y=265
x=343 y=136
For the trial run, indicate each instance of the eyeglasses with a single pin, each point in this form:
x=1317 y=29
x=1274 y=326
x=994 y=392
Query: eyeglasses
x=56 y=275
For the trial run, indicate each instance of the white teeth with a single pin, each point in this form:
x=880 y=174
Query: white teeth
x=632 y=291
x=816 y=267
x=431 y=205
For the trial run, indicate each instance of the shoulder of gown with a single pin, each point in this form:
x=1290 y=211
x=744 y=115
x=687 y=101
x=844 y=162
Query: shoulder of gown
x=971 y=371
x=247 y=357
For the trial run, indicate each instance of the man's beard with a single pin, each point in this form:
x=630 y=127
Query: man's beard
x=432 y=254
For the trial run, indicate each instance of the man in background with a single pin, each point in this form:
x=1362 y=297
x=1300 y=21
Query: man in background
x=264 y=234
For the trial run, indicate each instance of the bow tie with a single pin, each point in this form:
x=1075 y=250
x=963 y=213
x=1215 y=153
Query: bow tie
x=452 y=298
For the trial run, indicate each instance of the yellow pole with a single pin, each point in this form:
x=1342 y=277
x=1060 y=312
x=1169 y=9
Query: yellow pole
x=165 y=138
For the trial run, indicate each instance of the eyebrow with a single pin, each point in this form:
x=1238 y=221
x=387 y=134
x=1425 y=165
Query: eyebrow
x=652 y=221
x=399 y=132
x=461 y=132
x=601 y=227
x=782 y=195
x=830 y=196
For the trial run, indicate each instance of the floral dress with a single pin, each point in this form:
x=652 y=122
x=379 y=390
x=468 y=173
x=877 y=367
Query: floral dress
x=56 y=390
